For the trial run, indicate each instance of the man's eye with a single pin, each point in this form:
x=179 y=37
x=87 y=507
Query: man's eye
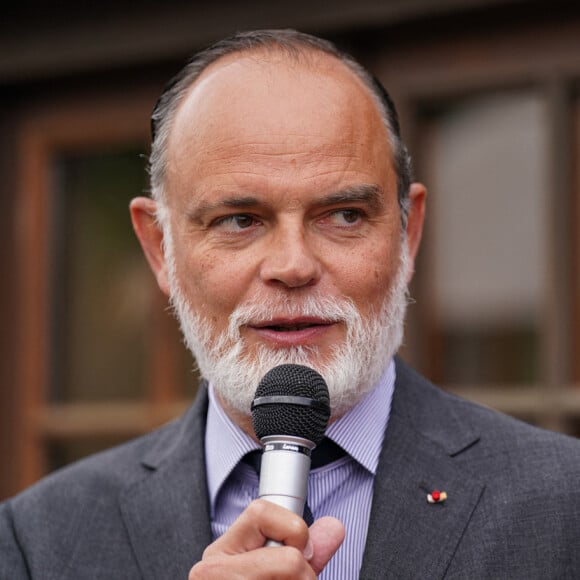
x=236 y=222
x=347 y=216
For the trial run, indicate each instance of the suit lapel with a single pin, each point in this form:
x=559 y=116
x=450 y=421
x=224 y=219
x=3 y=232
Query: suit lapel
x=408 y=537
x=167 y=513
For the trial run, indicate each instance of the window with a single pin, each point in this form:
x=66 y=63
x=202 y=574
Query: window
x=100 y=356
x=490 y=222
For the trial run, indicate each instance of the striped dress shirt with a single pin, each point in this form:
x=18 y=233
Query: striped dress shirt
x=342 y=489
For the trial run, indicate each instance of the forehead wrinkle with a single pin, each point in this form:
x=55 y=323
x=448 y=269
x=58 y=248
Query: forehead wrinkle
x=277 y=146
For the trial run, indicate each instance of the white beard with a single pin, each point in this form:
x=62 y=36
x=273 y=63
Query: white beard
x=351 y=371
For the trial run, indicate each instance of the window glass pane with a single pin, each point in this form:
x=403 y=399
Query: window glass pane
x=488 y=209
x=102 y=286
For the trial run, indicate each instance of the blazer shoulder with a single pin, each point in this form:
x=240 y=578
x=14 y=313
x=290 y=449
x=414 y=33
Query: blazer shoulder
x=108 y=472
x=489 y=438
x=44 y=523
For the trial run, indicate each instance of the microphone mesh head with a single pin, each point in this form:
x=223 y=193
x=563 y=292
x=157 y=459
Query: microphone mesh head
x=286 y=418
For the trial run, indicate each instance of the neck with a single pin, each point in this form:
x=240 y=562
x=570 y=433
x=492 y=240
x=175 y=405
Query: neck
x=242 y=420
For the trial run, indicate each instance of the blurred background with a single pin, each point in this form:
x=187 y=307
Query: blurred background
x=489 y=102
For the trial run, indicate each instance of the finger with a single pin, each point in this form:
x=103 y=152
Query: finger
x=261 y=521
x=326 y=534
x=284 y=563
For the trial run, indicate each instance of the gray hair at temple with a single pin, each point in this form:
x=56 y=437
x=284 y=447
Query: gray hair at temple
x=296 y=45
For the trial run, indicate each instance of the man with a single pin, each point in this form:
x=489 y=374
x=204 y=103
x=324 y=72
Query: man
x=284 y=227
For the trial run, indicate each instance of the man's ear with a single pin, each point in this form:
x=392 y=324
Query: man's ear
x=415 y=221
x=150 y=234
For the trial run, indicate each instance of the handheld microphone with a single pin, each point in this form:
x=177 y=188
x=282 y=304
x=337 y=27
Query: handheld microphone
x=290 y=413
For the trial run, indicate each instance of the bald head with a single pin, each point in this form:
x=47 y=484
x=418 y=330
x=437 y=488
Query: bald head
x=285 y=50
x=261 y=109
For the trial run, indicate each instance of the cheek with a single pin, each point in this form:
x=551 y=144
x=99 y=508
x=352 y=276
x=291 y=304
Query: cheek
x=367 y=276
x=214 y=285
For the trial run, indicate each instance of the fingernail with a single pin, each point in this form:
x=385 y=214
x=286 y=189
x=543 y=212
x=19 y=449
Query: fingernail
x=309 y=550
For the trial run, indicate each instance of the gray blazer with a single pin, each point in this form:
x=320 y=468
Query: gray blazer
x=141 y=510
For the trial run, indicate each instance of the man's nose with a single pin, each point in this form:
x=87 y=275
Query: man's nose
x=290 y=259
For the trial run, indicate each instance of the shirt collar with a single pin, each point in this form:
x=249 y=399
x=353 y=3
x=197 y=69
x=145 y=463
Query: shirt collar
x=225 y=444
x=359 y=432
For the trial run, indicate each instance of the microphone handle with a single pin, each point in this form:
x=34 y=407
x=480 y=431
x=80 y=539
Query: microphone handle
x=284 y=473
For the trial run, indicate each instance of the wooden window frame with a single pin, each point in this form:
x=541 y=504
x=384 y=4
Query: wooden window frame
x=75 y=124
x=545 y=57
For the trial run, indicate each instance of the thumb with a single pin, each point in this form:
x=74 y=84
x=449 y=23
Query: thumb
x=326 y=535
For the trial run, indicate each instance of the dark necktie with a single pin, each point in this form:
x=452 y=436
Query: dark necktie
x=324 y=453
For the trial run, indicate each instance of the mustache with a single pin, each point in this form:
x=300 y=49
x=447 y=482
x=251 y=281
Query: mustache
x=336 y=309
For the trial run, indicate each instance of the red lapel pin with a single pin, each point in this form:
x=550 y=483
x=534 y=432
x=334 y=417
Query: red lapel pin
x=436 y=496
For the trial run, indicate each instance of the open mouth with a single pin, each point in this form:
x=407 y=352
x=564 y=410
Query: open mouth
x=291 y=327
x=292 y=332
x=291 y=324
